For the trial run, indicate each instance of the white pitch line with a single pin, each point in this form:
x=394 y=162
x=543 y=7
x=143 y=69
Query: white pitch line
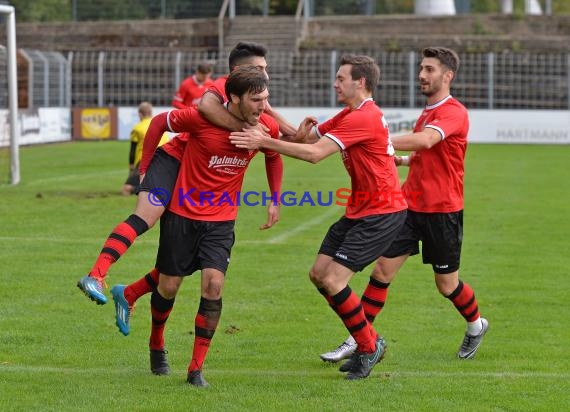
x=378 y=374
x=274 y=240
x=75 y=176
x=305 y=226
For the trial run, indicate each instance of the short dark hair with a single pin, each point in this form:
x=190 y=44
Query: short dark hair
x=243 y=51
x=246 y=79
x=204 y=67
x=447 y=57
x=363 y=66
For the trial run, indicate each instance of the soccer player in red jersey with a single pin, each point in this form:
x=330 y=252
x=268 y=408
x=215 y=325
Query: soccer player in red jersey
x=197 y=229
x=434 y=192
x=192 y=88
x=156 y=193
x=376 y=209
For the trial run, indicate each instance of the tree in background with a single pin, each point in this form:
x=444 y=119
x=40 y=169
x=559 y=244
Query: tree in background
x=42 y=10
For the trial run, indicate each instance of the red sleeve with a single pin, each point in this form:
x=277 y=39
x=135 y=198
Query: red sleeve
x=274 y=171
x=446 y=121
x=273 y=161
x=331 y=123
x=218 y=88
x=177 y=104
x=158 y=125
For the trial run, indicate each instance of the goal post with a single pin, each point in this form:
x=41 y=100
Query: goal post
x=9 y=16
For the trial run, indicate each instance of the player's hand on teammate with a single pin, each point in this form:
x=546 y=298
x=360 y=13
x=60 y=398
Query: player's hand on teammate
x=399 y=160
x=304 y=129
x=404 y=160
x=259 y=126
x=251 y=139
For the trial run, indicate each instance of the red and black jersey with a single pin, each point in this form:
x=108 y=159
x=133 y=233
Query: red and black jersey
x=212 y=169
x=368 y=156
x=435 y=178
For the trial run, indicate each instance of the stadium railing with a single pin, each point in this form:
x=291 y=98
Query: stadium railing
x=298 y=79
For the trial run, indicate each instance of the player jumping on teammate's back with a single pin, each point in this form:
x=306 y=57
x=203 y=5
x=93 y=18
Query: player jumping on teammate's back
x=166 y=162
x=195 y=236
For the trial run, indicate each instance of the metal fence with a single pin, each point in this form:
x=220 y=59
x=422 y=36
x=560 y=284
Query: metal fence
x=47 y=78
x=298 y=79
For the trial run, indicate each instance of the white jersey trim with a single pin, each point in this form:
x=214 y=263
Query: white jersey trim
x=319 y=135
x=168 y=122
x=435 y=105
x=364 y=101
x=439 y=129
x=335 y=139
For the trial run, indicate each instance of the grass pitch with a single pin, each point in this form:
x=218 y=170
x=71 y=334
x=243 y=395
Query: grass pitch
x=59 y=351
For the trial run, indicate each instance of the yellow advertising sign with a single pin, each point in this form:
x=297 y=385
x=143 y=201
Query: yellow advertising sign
x=96 y=123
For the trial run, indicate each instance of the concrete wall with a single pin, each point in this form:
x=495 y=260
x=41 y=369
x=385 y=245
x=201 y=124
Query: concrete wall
x=475 y=33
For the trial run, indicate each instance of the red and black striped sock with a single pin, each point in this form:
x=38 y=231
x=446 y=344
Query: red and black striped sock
x=323 y=292
x=373 y=298
x=205 y=325
x=160 y=309
x=144 y=285
x=463 y=298
x=349 y=308
x=118 y=242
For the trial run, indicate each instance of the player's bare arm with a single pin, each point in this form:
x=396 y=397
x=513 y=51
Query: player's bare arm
x=274 y=172
x=306 y=133
x=303 y=133
x=425 y=139
x=212 y=109
x=312 y=153
x=273 y=213
x=286 y=128
x=404 y=160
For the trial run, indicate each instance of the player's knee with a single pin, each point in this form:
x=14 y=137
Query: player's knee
x=212 y=291
x=148 y=212
x=446 y=284
x=316 y=276
x=212 y=288
x=167 y=290
x=380 y=274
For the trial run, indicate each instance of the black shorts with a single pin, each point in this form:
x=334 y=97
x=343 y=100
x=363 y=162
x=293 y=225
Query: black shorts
x=441 y=235
x=188 y=245
x=355 y=243
x=133 y=179
x=160 y=177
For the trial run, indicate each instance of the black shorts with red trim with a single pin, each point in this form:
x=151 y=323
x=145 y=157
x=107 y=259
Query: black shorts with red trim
x=355 y=243
x=441 y=235
x=188 y=245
